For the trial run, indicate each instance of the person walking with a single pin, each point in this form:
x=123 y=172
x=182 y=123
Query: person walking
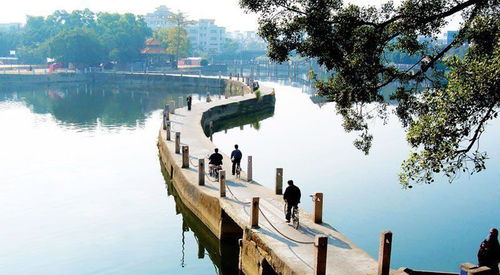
x=189 y=100
x=292 y=198
x=236 y=158
x=489 y=252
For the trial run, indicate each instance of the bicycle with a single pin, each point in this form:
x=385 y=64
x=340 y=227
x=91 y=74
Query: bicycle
x=295 y=215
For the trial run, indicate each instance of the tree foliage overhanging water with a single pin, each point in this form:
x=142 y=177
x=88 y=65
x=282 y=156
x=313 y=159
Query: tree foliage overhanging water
x=445 y=123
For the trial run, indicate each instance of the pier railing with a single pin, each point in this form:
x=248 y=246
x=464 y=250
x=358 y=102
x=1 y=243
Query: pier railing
x=320 y=242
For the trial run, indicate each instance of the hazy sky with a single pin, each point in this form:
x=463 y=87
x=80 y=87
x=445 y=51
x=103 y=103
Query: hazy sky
x=226 y=12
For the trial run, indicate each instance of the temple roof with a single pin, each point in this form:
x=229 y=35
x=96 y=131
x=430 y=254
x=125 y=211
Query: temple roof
x=152 y=42
x=150 y=50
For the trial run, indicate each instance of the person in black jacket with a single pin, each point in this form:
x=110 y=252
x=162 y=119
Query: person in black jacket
x=489 y=252
x=292 y=198
x=215 y=158
x=236 y=158
x=189 y=100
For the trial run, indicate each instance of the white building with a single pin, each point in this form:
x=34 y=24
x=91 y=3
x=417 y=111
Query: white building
x=159 y=18
x=205 y=36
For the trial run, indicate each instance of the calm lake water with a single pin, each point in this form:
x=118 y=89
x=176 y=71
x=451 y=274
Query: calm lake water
x=81 y=187
x=82 y=190
x=435 y=227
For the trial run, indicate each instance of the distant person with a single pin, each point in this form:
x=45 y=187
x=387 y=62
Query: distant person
x=292 y=198
x=255 y=86
x=236 y=158
x=215 y=158
x=189 y=100
x=489 y=252
x=208 y=97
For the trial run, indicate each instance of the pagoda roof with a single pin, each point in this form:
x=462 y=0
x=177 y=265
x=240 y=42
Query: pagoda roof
x=152 y=42
x=154 y=50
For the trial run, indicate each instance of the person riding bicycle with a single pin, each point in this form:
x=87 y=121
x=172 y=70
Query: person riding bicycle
x=215 y=159
x=236 y=158
x=292 y=198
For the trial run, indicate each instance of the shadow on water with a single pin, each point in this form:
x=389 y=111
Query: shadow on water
x=223 y=255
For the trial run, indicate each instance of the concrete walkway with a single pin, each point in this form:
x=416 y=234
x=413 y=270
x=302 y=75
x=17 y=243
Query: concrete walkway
x=344 y=257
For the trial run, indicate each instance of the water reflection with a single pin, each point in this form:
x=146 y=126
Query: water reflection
x=252 y=120
x=91 y=105
x=224 y=256
x=81 y=191
x=436 y=227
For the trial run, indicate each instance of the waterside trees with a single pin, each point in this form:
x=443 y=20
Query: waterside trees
x=106 y=37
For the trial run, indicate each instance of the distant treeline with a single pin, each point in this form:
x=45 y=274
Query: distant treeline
x=81 y=37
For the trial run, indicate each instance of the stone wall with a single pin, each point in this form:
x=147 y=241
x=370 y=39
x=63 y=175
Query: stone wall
x=125 y=78
x=14 y=79
x=219 y=115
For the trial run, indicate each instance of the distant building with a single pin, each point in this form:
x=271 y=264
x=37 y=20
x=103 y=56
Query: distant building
x=450 y=36
x=205 y=36
x=159 y=18
x=189 y=62
x=6 y=27
x=154 y=53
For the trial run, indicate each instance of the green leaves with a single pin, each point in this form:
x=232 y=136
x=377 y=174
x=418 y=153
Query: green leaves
x=175 y=39
x=445 y=102
x=448 y=122
x=79 y=46
x=120 y=36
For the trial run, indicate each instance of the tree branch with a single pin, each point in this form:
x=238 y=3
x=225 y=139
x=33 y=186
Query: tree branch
x=451 y=11
x=478 y=129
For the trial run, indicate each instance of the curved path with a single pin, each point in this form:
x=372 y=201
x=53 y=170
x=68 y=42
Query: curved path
x=278 y=249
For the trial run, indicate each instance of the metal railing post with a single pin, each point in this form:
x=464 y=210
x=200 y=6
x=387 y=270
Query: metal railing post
x=185 y=156
x=249 y=169
x=177 y=142
x=222 y=181
x=254 y=218
x=318 y=207
x=169 y=127
x=172 y=106
x=384 y=253
x=320 y=252
x=201 y=172
x=279 y=181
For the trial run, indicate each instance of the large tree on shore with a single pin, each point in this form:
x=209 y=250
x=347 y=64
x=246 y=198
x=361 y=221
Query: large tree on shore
x=446 y=120
x=175 y=38
x=122 y=35
x=79 y=46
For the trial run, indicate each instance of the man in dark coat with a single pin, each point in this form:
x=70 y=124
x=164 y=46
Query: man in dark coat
x=236 y=158
x=189 y=100
x=292 y=198
x=215 y=158
x=489 y=252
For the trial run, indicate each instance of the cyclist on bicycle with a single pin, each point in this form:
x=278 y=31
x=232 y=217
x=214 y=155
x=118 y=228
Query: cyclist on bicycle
x=292 y=198
x=236 y=158
x=215 y=158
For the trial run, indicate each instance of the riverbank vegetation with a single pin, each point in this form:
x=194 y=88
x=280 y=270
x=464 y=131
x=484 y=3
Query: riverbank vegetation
x=81 y=37
x=444 y=122
x=175 y=39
